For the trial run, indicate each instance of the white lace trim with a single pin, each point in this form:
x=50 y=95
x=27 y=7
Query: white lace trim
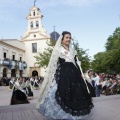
x=58 y=51
x=51 y=69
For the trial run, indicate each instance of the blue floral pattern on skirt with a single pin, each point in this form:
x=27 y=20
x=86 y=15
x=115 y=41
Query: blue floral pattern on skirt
x=52 y=110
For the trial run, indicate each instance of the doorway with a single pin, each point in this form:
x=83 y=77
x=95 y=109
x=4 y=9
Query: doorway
x=34 y=73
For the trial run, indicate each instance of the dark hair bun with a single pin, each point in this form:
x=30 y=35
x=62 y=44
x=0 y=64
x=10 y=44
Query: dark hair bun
x=64 y=33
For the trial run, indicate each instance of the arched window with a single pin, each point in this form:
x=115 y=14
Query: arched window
x=31 y=24
x=37 y=24
x=5 y=72
x=34 y=13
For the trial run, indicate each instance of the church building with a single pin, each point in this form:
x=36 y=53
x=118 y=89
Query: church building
x=17 y=56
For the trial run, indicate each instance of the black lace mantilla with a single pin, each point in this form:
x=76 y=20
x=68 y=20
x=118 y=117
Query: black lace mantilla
x=72 y=94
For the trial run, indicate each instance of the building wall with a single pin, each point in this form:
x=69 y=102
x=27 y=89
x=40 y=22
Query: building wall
x=37 y=35
x=9 y=72
x=29 y=55
x=16 y=43
x=6 y=46
x=11 y=50
x=23 y=47
x=26 y=54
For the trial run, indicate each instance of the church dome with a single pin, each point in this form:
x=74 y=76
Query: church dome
x=54 y=35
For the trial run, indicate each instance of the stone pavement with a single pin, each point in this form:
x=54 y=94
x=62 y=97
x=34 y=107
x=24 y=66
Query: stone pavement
x=5 y=96
x=106 y=108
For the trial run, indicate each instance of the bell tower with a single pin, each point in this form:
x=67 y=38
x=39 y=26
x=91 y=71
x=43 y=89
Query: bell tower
x=35 y=20
x=35 y=40
x=35 y=29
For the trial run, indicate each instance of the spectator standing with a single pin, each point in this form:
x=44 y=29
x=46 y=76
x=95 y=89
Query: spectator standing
x=97 y=84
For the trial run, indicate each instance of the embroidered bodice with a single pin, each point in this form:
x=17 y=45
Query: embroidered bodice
x=69 y=56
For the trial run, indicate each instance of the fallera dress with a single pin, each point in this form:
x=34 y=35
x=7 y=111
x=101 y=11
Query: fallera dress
x=29 y=91
x=19 y=94
x=68 y=97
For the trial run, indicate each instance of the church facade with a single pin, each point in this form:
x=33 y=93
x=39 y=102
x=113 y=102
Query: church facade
x=17 y=56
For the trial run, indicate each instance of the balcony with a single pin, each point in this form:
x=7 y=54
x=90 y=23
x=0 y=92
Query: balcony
x=21 y=65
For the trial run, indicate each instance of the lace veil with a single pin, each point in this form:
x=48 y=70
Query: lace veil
x=51 y=69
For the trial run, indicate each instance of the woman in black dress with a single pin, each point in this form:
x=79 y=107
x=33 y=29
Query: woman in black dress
x=29 y=90
x=19 y=93
x=64 y=93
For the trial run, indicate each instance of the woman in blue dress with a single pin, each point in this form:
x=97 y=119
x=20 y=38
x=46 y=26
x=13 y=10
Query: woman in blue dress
x=64 y=93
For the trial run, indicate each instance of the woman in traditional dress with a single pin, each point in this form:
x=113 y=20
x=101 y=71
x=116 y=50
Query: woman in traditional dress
x=29 y=90
x=32 y=81
x=36 y=83
x=64 y=93
x=90 y=83
x=19 y=93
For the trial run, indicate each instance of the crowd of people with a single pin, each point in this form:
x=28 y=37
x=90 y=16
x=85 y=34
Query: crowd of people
x=22 y=88
x=106 y=84
x=110 y=84
x=8 y=81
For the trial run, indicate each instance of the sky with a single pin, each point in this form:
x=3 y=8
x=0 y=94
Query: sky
x=90 y=22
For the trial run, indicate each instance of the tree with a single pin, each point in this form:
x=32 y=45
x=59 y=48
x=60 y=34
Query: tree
x=113 y=40
x=82 y=56
x=99 y=63
x=109 y=61
x=42 y=59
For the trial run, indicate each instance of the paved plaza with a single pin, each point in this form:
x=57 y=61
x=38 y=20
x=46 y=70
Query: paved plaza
x=5 y=96
x=106 y=108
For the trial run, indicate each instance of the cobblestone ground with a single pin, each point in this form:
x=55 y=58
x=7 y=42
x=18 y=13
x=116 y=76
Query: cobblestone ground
x=105 y=108
x=5 y=96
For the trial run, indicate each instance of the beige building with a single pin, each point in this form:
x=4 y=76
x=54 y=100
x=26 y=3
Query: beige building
x=17 y=56
x=12 y=54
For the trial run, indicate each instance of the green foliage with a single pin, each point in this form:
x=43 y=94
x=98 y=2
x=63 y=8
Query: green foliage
x=83 y=56
x=99 y=62
x=113 y=41
x=109 y=61
x=42 y=59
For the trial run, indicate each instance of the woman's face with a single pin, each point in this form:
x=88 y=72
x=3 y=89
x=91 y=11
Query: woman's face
x=20 y=80
x=90 y=73
x=67 y=39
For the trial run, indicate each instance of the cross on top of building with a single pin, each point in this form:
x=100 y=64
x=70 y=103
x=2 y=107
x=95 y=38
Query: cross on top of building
x=34 y=2
x=54 y=27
